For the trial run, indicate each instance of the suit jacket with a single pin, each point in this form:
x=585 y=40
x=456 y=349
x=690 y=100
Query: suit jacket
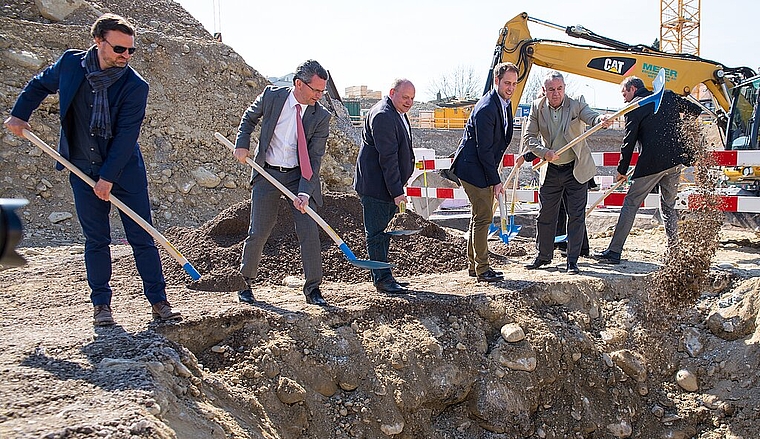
x=483 y=143
x=386 y=159
x=659 y=135
x=316 y=125
x=122 y=161
x=574 y=114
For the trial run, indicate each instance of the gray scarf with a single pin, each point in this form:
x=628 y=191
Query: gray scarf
x=100 y=80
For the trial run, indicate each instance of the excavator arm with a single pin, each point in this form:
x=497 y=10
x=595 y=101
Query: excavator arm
x=612 y=63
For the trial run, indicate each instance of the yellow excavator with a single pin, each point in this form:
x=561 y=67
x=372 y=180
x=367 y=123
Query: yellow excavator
x=734 y=90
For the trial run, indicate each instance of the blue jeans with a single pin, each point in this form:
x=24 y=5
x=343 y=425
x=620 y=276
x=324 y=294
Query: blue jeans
x=93 y=216
x=377 y=214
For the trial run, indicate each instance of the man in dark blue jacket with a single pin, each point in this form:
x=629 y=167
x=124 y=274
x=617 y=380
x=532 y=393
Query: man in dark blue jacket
x=102 y=105
x=384 y=165
x=663 y=153
x=476 y=163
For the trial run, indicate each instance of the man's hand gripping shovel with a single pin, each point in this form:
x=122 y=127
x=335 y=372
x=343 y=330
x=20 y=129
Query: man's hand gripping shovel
x=361 y=263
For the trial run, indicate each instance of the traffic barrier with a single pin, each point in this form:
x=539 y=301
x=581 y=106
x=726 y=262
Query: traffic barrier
x=426 y=161
x=722 y=158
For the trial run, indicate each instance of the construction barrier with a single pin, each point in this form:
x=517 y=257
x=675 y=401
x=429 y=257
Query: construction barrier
x=426 y=161
x=722 y=158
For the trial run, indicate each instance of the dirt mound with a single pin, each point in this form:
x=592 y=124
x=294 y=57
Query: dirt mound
x=215 y=247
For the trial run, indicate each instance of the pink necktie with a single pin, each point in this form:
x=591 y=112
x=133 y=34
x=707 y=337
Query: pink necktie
x=303 y=153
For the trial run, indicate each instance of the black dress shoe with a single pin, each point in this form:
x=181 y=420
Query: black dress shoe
x=403 y=284
x=572 y=268
x=490 y=276
x=390 y=287
x=315 y=298
x=246 y=296
x=472 y=273
x=608 y=257
x=537 y=263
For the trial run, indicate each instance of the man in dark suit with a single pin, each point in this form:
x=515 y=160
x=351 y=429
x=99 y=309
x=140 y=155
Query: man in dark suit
x=476 y=163
x=294 y=130
x=663 y=153
x=102 y=105
x=384 y=164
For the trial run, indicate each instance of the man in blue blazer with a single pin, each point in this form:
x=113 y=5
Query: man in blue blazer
x=384 y=165
x=294 y=130
x=476 y=163
x=102 y=106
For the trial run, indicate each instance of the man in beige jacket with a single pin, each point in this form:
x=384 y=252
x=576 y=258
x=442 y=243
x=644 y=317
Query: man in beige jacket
x=555 y=120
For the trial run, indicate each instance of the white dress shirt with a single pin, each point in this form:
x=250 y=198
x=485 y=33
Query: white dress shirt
x=283 y=149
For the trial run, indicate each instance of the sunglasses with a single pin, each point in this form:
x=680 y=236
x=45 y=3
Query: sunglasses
x=121 y=49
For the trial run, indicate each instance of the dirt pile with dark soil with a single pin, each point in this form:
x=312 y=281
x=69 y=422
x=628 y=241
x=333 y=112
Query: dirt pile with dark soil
x=215 y=248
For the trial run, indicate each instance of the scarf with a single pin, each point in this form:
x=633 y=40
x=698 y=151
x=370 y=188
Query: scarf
x=100 y=80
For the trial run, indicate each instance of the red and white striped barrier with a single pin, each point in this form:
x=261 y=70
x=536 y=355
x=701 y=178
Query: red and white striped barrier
x=722 y=158
x=426 y=161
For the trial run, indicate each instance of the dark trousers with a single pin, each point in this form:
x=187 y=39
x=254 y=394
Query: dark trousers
x=560 y=184
x=265 y=199
x=93 y=216
x=562 y=230
x=377 y=215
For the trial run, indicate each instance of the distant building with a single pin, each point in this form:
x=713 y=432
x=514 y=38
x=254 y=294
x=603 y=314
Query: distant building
x=362 y=92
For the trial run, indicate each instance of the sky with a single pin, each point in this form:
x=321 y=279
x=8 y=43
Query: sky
x=372 y=42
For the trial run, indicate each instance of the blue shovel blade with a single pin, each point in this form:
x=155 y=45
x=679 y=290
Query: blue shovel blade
x=560 y=238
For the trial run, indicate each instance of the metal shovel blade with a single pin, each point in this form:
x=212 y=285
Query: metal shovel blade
x=403 y=232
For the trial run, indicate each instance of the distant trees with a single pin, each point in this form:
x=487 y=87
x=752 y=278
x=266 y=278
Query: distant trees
x=461 y=82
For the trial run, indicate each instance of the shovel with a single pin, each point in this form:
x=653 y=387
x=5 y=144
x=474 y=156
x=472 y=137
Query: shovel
x=656 y=98
x=361 y=263
x=609 y=191
x=120 y=205
x=402 y=210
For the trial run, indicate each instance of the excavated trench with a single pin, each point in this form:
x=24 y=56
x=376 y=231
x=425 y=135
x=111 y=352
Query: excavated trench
x=591 y=357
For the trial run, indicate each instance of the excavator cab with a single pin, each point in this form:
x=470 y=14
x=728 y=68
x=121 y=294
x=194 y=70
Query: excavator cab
x=743 y=122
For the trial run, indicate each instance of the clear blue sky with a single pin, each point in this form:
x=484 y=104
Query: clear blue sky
x=371 y=43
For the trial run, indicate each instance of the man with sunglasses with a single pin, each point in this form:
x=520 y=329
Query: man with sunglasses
x=102 y=105
x=294 y=130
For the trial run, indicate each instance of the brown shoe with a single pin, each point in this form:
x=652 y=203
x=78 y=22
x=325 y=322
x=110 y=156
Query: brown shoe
x=101 y=316
x=163 y=311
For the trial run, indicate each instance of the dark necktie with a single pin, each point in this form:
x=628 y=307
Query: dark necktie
x=303 y=153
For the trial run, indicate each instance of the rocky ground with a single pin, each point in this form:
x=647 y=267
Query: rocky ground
x=541 y=355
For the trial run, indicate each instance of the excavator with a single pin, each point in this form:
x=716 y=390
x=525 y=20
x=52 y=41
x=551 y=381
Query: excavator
x=734 y=90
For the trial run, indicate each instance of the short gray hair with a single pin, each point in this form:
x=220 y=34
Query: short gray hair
x=398 y=82
x=632 y=81
x=306 y=71
x=551 y=76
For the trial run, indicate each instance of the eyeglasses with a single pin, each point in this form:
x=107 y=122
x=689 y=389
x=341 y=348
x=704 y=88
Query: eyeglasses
x=315 y=90
x=121 y=49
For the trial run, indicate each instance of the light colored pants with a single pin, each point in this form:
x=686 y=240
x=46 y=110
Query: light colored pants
x=481 y=202
x=640 y=188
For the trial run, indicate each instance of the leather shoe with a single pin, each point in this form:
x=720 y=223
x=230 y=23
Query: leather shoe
x=315 y=298
x=608 y=257
x=403 y=284
x=537 y=263
x=490 y=276
x=390 y=287
x=572 y=268
x=246 y=296
x=472 y=273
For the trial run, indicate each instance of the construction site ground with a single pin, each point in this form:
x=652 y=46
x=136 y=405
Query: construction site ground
x=588 y=356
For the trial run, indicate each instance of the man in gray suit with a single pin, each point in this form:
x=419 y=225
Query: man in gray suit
x=555 y=120
x=294 y=130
